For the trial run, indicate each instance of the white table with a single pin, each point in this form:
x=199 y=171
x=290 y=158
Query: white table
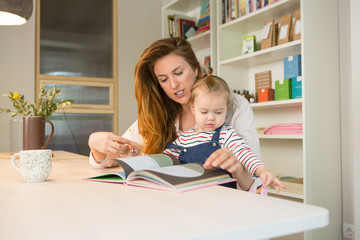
x=67 y=207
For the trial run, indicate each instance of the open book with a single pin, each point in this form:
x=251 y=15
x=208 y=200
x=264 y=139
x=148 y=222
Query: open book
x=164 y=172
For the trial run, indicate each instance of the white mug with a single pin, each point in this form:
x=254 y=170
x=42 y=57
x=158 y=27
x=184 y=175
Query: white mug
x=35 y=165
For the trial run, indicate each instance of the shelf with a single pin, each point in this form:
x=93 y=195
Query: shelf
x=183 y=6
x=277 y=104
x=280 y=136
x=285 y=193
x=199 y=36
x=268 y=55
x=200 y=41
x=255 y=20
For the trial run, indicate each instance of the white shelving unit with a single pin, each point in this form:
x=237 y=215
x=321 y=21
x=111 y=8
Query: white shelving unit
x=204 y=44
x=315 y=155
x=277 y=151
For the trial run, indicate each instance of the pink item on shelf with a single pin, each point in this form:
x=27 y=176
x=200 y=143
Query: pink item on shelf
x=285 y=129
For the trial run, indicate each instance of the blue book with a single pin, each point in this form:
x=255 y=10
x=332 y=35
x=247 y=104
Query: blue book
x=203 y=19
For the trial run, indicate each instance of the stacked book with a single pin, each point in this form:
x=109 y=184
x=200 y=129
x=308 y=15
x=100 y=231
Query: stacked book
x=181 y=26
x=204 y=20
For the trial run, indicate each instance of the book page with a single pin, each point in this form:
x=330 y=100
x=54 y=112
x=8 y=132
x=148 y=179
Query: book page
x=179 y=177
x=118 y=177
x=152 y=161
x=188 y=170
x=140 y=162
x=148 y=161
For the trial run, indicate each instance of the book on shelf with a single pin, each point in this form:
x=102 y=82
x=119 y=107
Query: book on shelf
x=188 y=31
x=265 y=3
x=243 y=7
x=205 y=8
x=188 y=22
x=163 y=172
x=171 y=27
x=207 y=61
x=203 y=29
x=175 y=23
x=203 y=21
x=258 y=4
x=203 y=24
x=232 y=9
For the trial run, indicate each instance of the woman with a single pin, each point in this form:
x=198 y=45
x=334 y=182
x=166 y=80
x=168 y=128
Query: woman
x=164 y=76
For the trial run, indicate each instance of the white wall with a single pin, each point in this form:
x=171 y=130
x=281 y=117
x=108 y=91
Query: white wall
x=355 y=116
x=17 y=69
x=346 y=109
x=139 y=25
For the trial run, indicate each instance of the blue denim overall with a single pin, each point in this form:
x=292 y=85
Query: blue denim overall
x=199 y=153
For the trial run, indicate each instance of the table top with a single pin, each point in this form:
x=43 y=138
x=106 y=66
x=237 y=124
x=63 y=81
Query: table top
x=68 y=207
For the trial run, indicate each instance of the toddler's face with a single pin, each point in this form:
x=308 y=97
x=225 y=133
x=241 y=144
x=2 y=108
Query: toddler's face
x=209 y=110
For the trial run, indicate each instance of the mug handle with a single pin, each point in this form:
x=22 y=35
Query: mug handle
x=13 y=161
x=51 y=133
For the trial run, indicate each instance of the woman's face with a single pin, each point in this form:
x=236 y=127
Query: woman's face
x=176 y=77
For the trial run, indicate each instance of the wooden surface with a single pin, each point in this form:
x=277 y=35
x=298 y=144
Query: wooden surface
x=67 y=207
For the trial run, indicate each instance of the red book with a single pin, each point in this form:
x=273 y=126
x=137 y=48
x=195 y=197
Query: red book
x=203 y=29
x=182 y=22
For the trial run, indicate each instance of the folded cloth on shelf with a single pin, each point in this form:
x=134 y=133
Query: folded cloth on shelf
x=285 y=129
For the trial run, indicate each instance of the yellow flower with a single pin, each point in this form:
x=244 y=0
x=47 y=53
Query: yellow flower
x=16 y=95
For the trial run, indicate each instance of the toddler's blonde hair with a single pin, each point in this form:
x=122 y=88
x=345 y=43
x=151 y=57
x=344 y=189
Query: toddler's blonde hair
x=211 y=83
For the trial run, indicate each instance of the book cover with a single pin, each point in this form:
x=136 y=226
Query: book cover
x=207 y=61
x=163 y=172
x=203 y=29
x=182 y=22
x=205 y=8
x=223 y=13
x=242 y=7
x=181 y=19
x=188 y=31
x=204 y=21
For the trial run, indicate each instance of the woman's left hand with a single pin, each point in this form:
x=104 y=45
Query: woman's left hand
x=225 y=159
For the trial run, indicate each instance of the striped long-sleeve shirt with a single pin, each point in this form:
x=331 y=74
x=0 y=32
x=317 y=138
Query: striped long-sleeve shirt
x=228 y=138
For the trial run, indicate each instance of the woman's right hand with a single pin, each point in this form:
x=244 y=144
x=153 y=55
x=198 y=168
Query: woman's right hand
x=107 y=143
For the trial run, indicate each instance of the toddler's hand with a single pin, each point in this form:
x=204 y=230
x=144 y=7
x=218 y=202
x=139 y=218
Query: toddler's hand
x=268 y=178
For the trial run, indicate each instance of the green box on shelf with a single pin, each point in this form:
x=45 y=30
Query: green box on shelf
x=249 y=44
x=283 y=89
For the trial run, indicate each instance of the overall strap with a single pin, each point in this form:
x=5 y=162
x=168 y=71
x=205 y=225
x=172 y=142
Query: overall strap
x=216 y=135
